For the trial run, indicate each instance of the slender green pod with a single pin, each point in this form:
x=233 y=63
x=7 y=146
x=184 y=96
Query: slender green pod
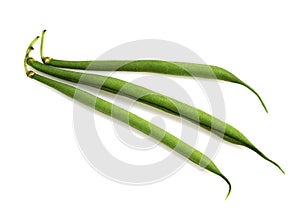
x=152 y=66
x=117 y=86
x=133 y=120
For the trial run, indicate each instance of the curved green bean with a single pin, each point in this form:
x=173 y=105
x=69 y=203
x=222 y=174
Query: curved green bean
x=133 y=120
x=153 y=66
x=110 y=84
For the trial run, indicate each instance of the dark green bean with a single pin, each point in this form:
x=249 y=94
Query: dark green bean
x=152 y=66
x=133 y=120
x=154 y=99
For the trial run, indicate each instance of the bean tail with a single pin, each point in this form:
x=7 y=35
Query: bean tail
x=225 y=75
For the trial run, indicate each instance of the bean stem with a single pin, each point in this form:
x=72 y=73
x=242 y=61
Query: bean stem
x=152 y=66
x=29 y=49
x=131 y=119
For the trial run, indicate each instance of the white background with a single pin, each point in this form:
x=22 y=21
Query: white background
x=43 y=175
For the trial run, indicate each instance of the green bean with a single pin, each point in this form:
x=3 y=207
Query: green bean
x=152 y=66
x=133 y=120
x=113 y=85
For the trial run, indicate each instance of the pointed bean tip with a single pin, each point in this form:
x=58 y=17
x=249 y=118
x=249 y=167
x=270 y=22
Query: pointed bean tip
x=229 y=185
x=264 y=107
x=256 y=93
x=281 y=169
x=229 y=191
x=277 y=165
x=227 y=195
x=252 y=147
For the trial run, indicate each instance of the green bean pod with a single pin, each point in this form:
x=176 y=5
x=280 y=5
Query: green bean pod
x=134 y=121
x=154 y=99
x=151 y=66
